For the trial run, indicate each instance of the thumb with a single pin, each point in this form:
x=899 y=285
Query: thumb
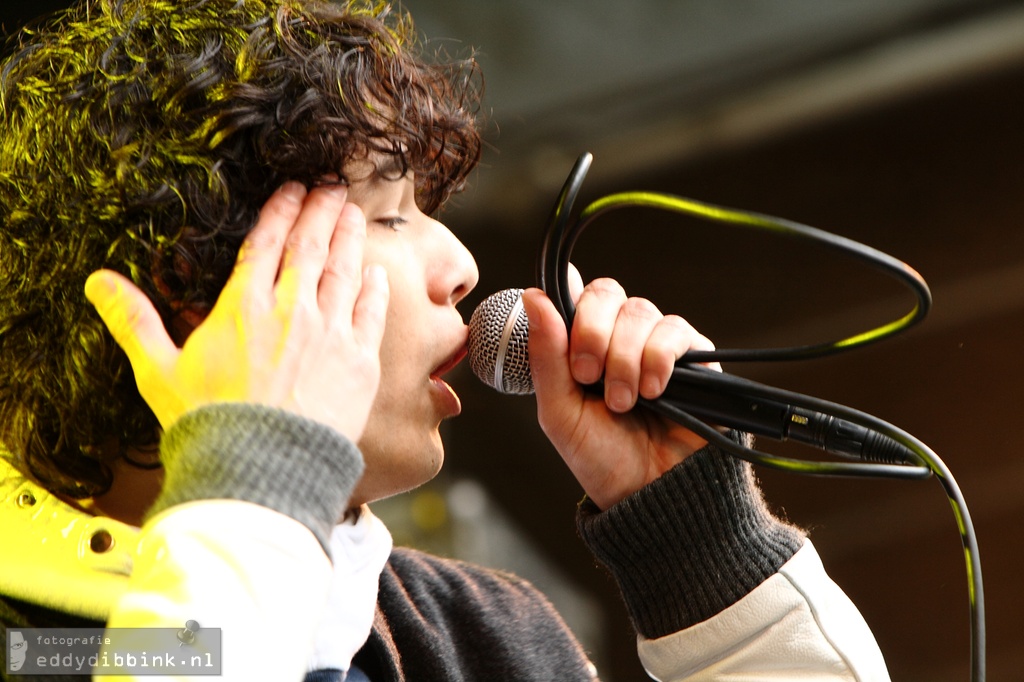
x=549 y=352
x=131 y=318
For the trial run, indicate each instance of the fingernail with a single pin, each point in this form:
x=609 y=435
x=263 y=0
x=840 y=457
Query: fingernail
x=651 y=387
x=532 y=324
x=332 y=183
x=335 y=188
x=292 y=190
x=619 y=396
x=585 y=368
x=99 y=286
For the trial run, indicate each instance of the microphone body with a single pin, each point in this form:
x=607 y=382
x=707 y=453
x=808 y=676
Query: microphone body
x=498 y=340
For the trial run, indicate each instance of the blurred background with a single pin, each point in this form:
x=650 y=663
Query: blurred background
x=897 y=124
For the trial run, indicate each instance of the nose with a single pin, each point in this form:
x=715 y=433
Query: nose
x=452 y=270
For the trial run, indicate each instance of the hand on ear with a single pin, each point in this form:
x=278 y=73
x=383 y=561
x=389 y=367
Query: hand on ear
x=298 y=325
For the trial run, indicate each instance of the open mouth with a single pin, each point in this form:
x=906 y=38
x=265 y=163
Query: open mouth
x=450 y=364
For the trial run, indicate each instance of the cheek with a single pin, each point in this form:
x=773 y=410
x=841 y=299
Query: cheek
x=401 y=350
x=406 y=332
x=407 y=302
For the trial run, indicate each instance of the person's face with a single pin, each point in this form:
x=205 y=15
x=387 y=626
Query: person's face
x=19 y=650
x=429 y=271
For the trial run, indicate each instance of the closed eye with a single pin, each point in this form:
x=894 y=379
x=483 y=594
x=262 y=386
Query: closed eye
x=392 y=223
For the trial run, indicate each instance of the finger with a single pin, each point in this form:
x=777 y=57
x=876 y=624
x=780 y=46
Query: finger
x=549 y=358
x=259 y=259
x=307 y=245
x=596 y=312
x=637 y=319
x=132 y=320
x=670 y=340
x=575 y=283
x=702 y=342
x=370 y=312
x=341 y=281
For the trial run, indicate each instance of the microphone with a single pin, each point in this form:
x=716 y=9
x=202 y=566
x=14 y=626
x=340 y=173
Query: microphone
x=499 y=357
x=499 y=336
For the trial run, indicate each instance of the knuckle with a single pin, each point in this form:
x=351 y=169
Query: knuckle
x=248 y=307
x=686 y=334
x=123 y=319
x=131 y=316
x=279 y=210
x=680 y=334
x=702 y=342
x=302 y=244
x=661 y=353
x=302 y=309
x=677 y=323
x=295 y=313
x=640 y=309
x=327 y=198
x=259 y=241
x=589 y=338
x=344 y=270
x=341 y=333
x=605 y=287
x=621 y=365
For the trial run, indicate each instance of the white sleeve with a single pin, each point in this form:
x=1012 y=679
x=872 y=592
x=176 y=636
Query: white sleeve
x=796 y=625
x=258 y=575
x=241 y=535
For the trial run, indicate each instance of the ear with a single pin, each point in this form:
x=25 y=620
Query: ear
x=184 y=322
x=193 y=317
x=184 y=318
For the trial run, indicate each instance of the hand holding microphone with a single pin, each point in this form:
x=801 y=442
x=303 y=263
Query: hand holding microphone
x=612 y=449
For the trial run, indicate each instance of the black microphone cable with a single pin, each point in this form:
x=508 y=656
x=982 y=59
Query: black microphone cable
x=914 y=459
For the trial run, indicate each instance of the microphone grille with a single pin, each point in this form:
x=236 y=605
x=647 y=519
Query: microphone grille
x=498 y=337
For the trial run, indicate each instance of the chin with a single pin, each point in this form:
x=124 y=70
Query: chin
x=389 y=473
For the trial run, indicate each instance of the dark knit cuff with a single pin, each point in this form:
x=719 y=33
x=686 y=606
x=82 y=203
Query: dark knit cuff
x=690 y=544
x=263 y=455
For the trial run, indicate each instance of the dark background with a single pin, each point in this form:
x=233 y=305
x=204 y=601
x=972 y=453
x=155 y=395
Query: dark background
x=928 y=172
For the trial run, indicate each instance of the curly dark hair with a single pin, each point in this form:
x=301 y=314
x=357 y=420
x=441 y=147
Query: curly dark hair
x=144 y=136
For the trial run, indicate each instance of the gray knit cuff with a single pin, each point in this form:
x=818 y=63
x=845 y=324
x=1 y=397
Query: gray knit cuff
x=690 y=544
x=263 y=455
